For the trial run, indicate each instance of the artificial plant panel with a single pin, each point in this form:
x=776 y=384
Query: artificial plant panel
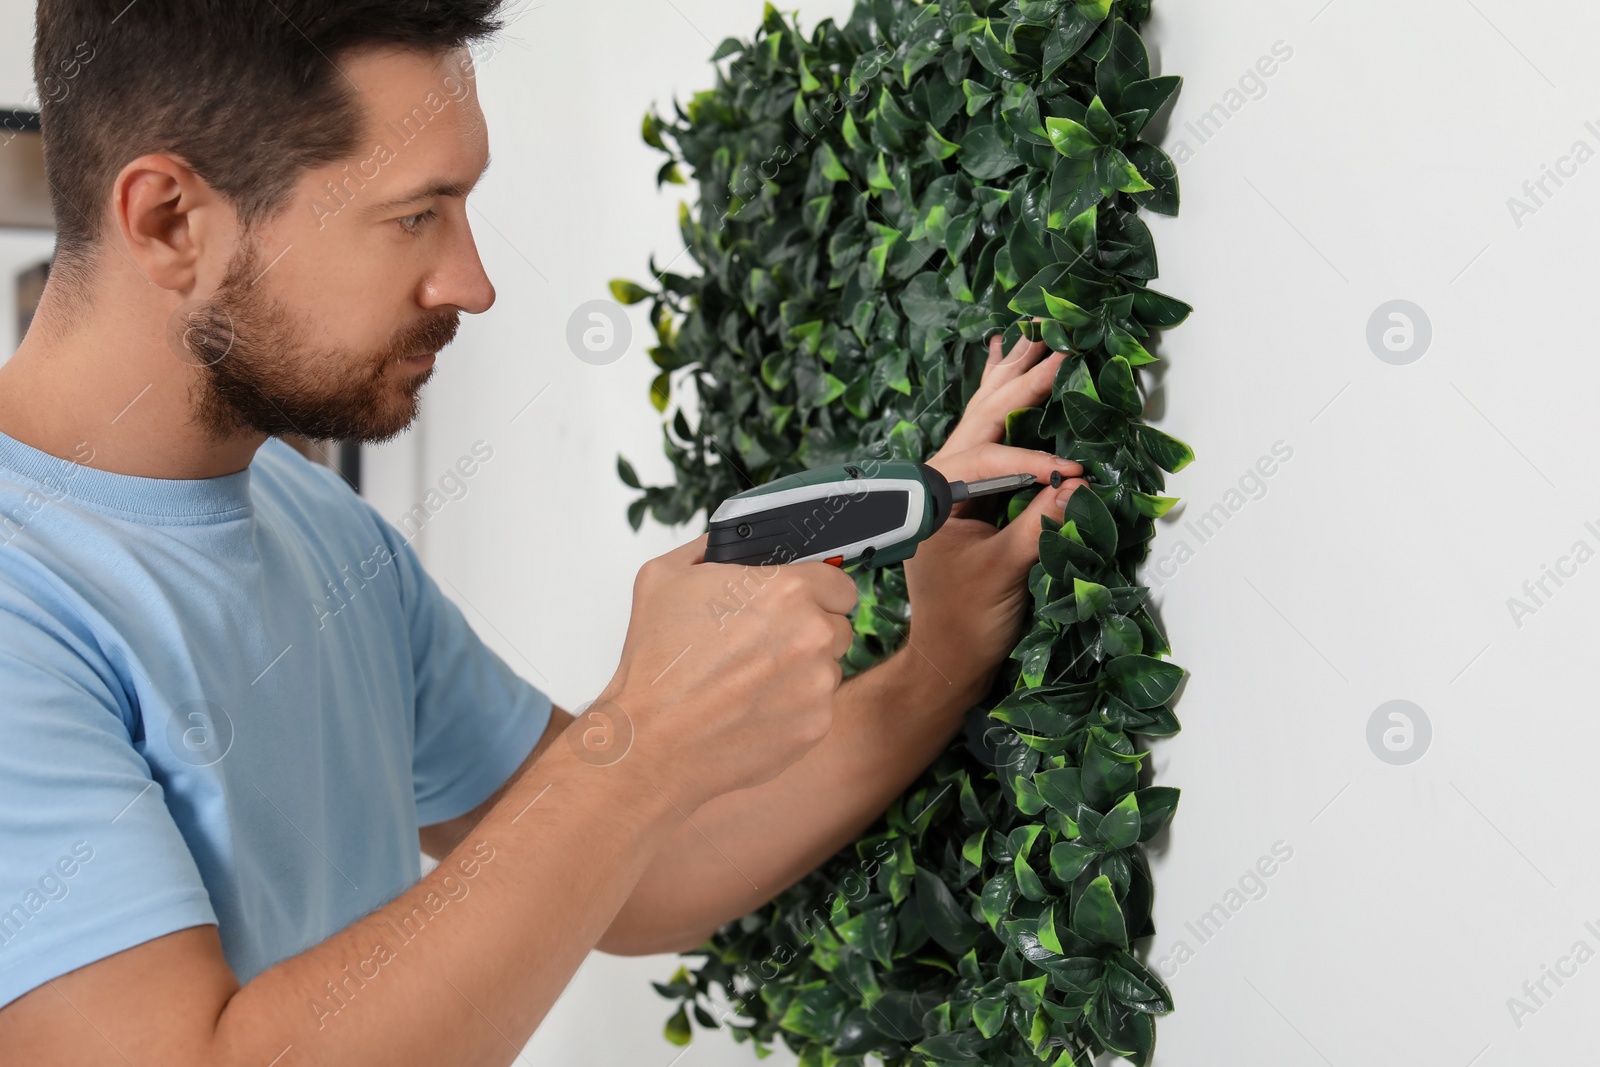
x=874 y=201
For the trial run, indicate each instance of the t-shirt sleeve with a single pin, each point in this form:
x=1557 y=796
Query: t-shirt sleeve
x=476 y=718
x=91 y=861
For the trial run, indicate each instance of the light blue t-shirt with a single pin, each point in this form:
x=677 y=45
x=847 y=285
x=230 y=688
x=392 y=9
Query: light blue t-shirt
x=226 y=700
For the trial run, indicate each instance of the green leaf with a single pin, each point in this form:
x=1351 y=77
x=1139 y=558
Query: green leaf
x=946 y=921
x=1120 y=827
x=626 y=292
x=1132 y=983
x=1156 y=807
x=677 y=1029
x=1156 y=169
x=985 y=154
x=1143 y=681
x=1061 y=790
x=650 y=130
x=1158 y=310
x=972 y=850
x=1080 y=233
x=1071 y=139
x=1169 y=453
x=998 y=893
x=1120 y=342
x=1047 y=931
x=832 y=387
x=1102 y=127
x=1068 y=859
x=1075 y=25
x=1150 y=95
x=988 y=1015
x=832 y=169
x=669 y=173
x=1116 y=173
x=1094 y=523
x=625 y=472
x=775 y=370
x=1065 y=311
x=1117 y=387
x=1034 y=649
x=1028 y=881
x=1092 y=599
x=878 y=174
x=977 y=95
x=936 y=145
x=1152 y=506
x=1120 y=635
x=1097 y=918
x=991 y=54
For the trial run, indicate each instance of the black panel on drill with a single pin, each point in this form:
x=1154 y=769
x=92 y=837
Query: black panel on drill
x=789 y=531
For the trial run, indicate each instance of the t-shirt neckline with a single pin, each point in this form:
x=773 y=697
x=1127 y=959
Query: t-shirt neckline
x=186 y=500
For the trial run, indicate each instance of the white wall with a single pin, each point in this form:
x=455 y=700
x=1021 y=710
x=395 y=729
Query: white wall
x=1378 y=564
x=1374 y=564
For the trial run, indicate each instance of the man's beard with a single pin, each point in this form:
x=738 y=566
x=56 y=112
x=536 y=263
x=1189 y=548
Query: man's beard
x=258 y=373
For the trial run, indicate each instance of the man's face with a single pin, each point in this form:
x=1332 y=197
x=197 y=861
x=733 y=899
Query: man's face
x=314 y=326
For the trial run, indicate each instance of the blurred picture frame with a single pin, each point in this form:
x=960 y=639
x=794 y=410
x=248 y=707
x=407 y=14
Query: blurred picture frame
x=24 y=193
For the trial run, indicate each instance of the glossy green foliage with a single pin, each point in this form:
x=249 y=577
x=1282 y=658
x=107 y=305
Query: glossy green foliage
x=875 y=200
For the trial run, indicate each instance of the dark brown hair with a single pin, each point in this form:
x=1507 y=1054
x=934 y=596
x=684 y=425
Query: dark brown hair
x=248 y=93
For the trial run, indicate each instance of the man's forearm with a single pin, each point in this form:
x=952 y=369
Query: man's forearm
x=461 y=967
x=741 y=849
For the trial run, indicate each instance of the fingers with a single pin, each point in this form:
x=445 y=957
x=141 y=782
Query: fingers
x=1020 y=382
x=834 y=590
x=992 y=460
x=846 y=636
x=1022 y=534
x=1024 y=355
x=999 y=371
x=1028 y=388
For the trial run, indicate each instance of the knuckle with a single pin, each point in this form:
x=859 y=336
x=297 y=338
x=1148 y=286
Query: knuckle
x=847 y=636
x=815 y=633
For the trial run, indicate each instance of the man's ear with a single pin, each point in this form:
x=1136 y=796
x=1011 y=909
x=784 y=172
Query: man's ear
x=172 y=227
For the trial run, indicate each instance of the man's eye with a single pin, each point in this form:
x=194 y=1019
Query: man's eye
x=413 y=223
